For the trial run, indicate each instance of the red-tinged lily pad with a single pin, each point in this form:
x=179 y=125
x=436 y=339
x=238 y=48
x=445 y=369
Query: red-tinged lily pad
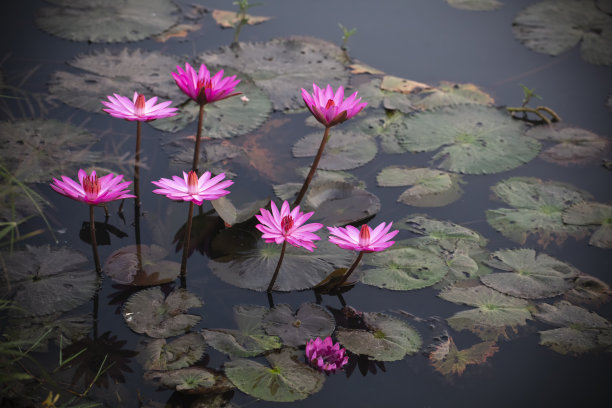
x=594 y=214
x=229 y=19
x=149 y=311
x=179 y=353
x=296 y=329
x=447 y=359
x=192 y=380
x=141 y=266
x=574 y=145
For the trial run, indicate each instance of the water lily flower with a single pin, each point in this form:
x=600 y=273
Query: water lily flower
x=192 y=188
x=288 y=225
x=329 y=107
x=364 y=239
x=325 y=355
x=203 y=89
x=138 y=108
x=93 y=190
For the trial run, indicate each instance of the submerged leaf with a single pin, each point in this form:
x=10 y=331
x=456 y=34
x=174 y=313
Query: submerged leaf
x=179 y=353
x=590 y=213
x=296 y=329
x=63 y=331
x=574 y=145
x=192 y=380
x=448 y=359
x=141 y=266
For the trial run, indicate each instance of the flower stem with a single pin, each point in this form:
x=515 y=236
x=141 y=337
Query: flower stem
x=186 y=241
x=313 y=168
x=94 y=245
x=280 y=261
x=351 y=270
x=137 y=193
x=196 y=153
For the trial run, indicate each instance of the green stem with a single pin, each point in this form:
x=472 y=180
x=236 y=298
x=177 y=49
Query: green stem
x=313 y=168
x=196 y=153
x=186 y=242
x=280 y=261
x=351 y=270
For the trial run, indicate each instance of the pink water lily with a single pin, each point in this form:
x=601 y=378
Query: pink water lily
x=203 y=88
x=93 y=190
x=138 y=108
x=329 y=107
x=192 y=188
x=325 y=355
x=288 y=225
x=364 y=239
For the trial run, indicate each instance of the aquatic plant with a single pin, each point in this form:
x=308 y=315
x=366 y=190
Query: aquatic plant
x=192 y=188
x=325 y=355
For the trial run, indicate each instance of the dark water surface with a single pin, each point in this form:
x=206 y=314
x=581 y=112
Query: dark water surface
x=422 y=40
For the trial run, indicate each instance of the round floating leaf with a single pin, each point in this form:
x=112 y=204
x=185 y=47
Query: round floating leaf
x=430 y=188
x=443 y=233
x=530 y=277
x=230 y=19
x=538 y=208
x=107 y=21
x=285 y=380
x=555 y=26
x=156 y=315
x=282 y=66
x=289 y=191
x=404 y=269
x=344 y=150
x=475 y=5
x=179 y=353
x=447 y=359
x=495 y=312
x=123 y=266
x=64 y=331
x=448 y=94
x=388 y=338
x=589 y=290
x=192 y=380
x=249 y=340
x=473 y=139
x=43 y=280
x=574 y=145
x=253 y=268
x=464 y=262
x=580 y=330
x=295 y=329
x=35 y=151
x=589 y=213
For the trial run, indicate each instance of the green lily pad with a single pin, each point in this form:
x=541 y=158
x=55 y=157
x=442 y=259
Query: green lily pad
x=387 y=338
x=192 y=380
x=590 y=213
x=529 y=277
x=472 y=139
x=448 y=94
x=123 y=266
x=289 y=191
x=285 y=380
x=475 y=5
x=464 y=262
x=574 y=145
x=404 y=269
x=553 y=27
x=253 y=268
x=101 y=21
x=386 y=127
x=249 y=340
x=282 y=66
x=443 y=233
x=495 y=313
x=430 y=188
x=344 y=150
x=179 y=353
x=42 y=280
x=589 y=290
x=151 y=312
x=63 y=331
x=35 y=151
x=296 y=329
x=232 y=215
x=538 y=208
x=447 y=359
x=580 y=330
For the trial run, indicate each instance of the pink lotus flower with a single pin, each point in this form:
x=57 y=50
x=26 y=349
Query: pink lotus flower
x=190 y=188
x=138 y=108
x=288 y=225
x=93 y=190
x=325 y=355
x=331 y=108
x=363 y=240
x=203 y=89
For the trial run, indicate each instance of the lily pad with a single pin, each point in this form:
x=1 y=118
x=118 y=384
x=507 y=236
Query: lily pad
x=215 y=156
x=529 y=277
x=387 y=338
x=344 y=150
x=282 y=66
x=42 y=280
x=192 y=380
x=285 y=380
x=404 y=269
x=296 y=329
x=475 y=5
x=574 y=145
x=63 y=331
x=229 y=19
x=443 y=233
x=232 y=215
x=179 y=353
x=447 y=359
x=464 y=262
x=35 y=151
x=289 y=191
x=123 y=266
x=151 y=312
x=249 y=340
x=430 y=188
x=449 y=94
x=101 y=21
x=495 y=313
x=590 y=213
x=538 y=208
x=589 y=290
x=553 y=27
x=580 y=330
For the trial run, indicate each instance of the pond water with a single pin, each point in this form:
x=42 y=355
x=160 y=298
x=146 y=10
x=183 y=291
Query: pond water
x=427 y=41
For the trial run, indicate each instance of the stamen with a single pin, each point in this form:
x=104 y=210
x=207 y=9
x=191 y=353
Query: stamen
x=139 y=106
x=91 y=185
x=364 y=235
x=287 y=223
x=330 y=103
x=192 y=182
